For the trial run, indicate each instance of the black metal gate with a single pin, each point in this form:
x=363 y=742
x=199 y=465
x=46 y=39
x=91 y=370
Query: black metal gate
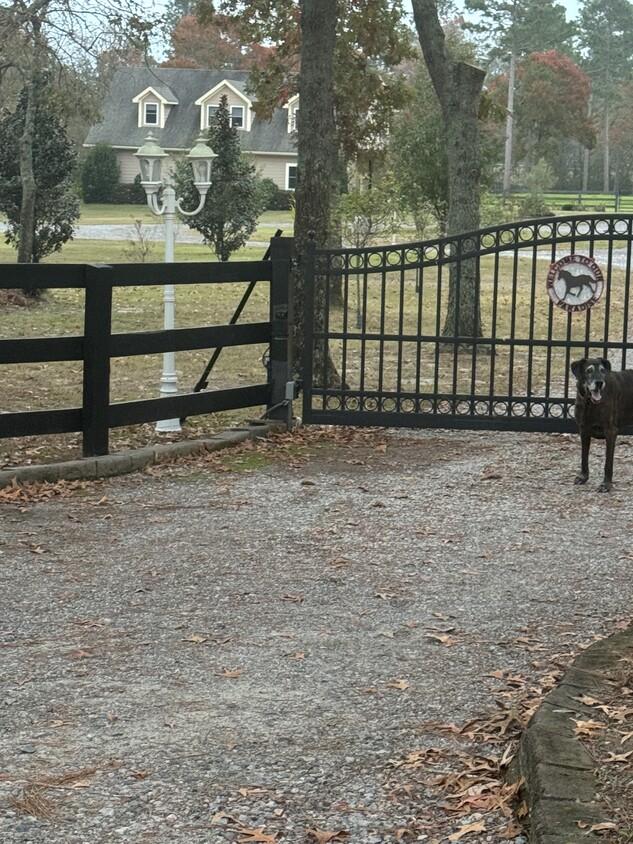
x=379 y=315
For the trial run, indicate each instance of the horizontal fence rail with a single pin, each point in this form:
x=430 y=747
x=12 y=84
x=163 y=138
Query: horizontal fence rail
x=461 y=331
x=98 y=345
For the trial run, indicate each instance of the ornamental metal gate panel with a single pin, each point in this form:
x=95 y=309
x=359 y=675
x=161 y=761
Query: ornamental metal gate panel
x=474 y=331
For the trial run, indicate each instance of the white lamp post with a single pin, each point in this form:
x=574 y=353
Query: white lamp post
x=150 y=157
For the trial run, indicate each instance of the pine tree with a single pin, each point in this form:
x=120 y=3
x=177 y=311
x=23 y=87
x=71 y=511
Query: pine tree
x=234 y=201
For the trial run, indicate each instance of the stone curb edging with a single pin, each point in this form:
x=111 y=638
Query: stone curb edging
x=121 y=463
x=560 y=784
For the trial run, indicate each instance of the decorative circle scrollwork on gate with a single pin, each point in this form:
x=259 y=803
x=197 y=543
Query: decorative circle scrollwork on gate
x=519 y=408
x=408 y=405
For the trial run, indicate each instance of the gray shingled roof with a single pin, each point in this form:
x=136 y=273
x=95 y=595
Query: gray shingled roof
x=119 y=124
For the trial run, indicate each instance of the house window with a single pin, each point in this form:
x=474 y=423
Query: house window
x=291 y=176
x=151 y=114
x=293 y=122
x=236 y=116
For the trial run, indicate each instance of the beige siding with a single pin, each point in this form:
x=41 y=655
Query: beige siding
x=128 y=166
x=268 y=166
x=274 y=167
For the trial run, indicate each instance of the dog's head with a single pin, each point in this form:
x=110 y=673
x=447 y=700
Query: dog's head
x=590 y=374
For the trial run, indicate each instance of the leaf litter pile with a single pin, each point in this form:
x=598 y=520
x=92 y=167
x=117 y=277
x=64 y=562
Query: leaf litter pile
x=328 y=635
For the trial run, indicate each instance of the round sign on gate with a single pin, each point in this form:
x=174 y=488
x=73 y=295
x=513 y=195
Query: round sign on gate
x=575 y=283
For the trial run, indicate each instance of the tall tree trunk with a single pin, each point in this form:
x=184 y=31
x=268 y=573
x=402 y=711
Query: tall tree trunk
x=27 y=177
x=458 y=87
x=317 y=150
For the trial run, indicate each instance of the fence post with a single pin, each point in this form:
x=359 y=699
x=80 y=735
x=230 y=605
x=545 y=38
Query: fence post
x=96 y=383
x=281 y=318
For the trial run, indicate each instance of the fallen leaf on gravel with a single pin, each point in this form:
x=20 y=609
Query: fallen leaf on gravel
x=479 y=826
x=339 y=562
x=198 y=640
x=300 y=655
x=256 y=835
x=231 y=675
x=626 y=737
x=602 y=827
x=322 y=836
x=246 y=792
x=401 y=685
x=296 y=599
x=443 y=639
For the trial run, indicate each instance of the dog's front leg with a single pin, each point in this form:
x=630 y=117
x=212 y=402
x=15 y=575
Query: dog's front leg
x=606 y=484
x=585 y=440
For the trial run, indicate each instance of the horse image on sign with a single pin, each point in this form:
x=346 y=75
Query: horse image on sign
x=575 y=283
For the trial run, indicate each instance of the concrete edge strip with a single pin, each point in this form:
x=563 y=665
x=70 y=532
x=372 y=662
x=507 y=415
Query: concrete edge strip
x=124 y=462
x=560 y=783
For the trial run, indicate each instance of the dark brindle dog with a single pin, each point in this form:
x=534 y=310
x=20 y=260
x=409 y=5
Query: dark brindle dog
x=604 y=405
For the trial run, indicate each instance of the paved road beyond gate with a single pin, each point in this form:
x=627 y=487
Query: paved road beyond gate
x=402 y=365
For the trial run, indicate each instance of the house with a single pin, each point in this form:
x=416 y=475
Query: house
x=177 y=104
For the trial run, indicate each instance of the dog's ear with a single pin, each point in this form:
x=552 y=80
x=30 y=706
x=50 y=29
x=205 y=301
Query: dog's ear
x=605 y=363
x=578 y=367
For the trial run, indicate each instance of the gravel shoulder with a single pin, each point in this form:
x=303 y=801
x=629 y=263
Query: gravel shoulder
x=310 y=640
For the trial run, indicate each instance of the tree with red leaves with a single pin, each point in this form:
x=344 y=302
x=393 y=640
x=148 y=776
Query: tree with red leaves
x=214 y=42
x=551 y=107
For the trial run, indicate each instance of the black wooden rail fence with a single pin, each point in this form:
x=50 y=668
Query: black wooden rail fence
x=98 y=345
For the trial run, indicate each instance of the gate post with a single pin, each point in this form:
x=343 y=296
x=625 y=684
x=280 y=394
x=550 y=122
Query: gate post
x=95 y=416
x=280 y=374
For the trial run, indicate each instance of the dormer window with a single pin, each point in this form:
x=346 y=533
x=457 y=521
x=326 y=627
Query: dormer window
x=236 y=116
x=154 y=106
x=239 y=106
x=151 y=114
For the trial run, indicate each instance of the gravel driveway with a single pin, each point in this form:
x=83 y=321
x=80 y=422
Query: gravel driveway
x=280 y=645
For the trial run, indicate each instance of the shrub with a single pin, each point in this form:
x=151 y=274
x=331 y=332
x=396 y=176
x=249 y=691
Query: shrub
x=133 y=194
x=100 y=175
x=267 y=191
x=282 y=201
